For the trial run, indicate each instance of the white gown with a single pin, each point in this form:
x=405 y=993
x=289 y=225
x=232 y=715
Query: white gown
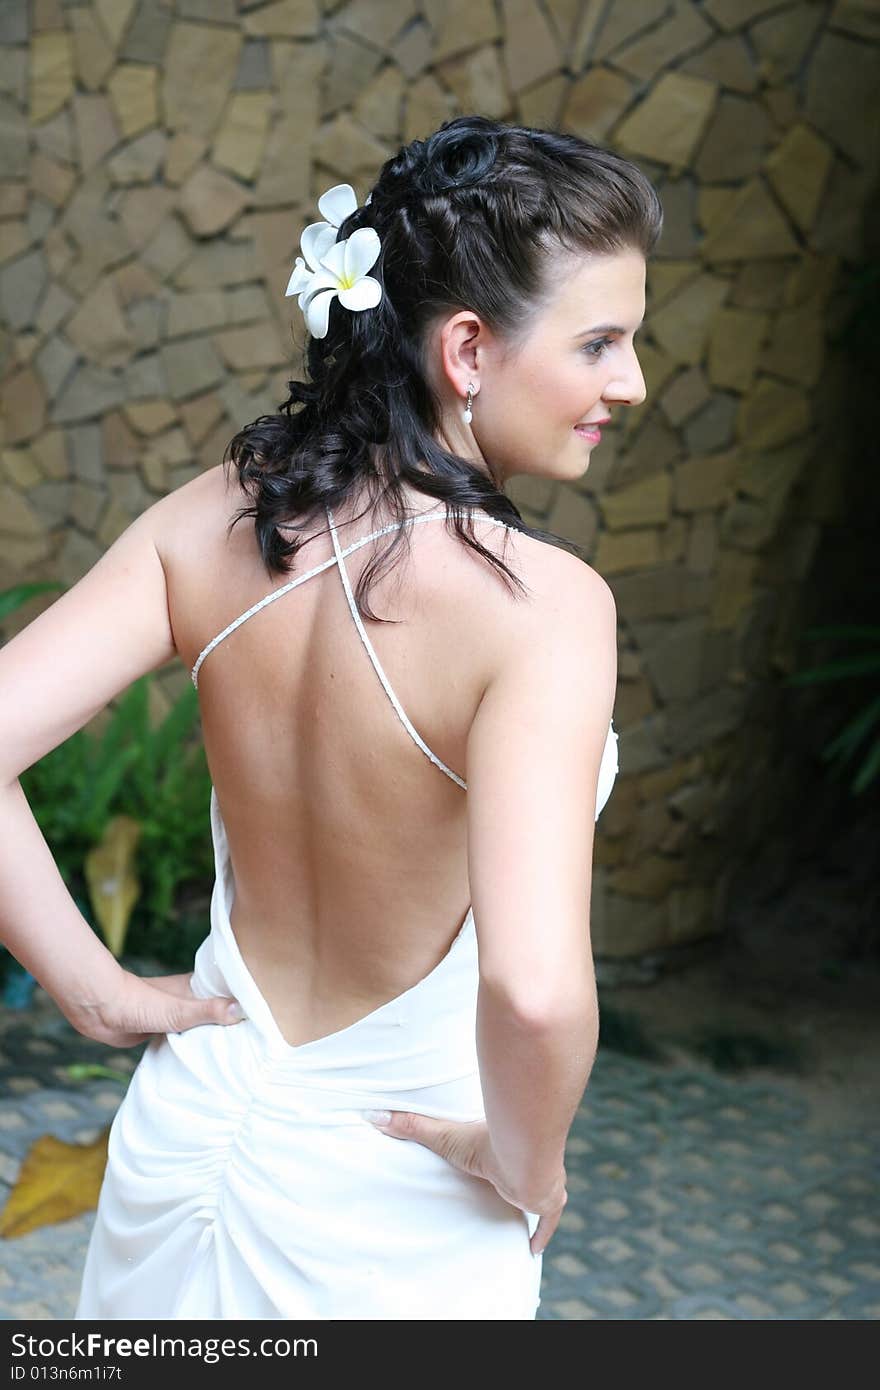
x=243 y=1180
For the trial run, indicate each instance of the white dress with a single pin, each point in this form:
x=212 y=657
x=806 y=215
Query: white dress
x=243 y=1180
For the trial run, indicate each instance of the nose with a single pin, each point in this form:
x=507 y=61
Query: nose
x=628 y=389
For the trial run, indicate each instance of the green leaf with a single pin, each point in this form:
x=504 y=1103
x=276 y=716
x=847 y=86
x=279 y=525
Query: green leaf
x=868 y=771
x=13 y=599
x=837 y=670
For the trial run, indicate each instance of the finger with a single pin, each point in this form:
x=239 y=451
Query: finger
x=192 y=1013
x=537 y=1242
x=407 y=1124
x=542 y=1234
x=211 y=1010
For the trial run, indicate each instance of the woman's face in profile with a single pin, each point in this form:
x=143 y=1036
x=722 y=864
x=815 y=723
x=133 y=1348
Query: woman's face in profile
x=578 y=364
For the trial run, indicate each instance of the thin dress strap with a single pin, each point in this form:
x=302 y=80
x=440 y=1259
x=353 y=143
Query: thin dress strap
x=284 y=589
x=346 y=582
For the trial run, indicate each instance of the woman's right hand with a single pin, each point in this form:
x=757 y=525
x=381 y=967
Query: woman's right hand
x=137 y=1007
x=467 y=1146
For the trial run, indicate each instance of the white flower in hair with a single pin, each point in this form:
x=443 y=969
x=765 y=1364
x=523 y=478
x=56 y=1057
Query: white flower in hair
x=331 y=269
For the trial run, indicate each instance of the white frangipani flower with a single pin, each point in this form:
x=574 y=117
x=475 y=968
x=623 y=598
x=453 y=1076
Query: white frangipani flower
x=329 y=268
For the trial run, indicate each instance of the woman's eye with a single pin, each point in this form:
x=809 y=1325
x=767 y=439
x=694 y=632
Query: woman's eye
x=597 y=348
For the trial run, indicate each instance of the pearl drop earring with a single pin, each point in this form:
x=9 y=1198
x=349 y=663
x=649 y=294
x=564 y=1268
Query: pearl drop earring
x=467 y=412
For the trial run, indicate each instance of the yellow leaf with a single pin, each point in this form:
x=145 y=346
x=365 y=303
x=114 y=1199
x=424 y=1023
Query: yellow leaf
x=113 y=885
x=57 y=1181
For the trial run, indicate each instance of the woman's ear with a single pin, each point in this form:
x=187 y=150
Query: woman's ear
x=459 y=339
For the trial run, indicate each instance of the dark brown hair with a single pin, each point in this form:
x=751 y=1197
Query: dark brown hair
x=470 y=217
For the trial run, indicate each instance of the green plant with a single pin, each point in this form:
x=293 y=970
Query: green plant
x=857 y=339
x=158 y=777
x=20 y=594
x=131 y=769
x=861 y=728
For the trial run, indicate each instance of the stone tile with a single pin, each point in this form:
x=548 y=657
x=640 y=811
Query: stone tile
x=726 y=61
x=257 y=345
x=464 y=24
x=190 y=366
x=856 y=18
x=412 y=51
x=380 y=105
x=531 y=48
x=772 y=414
x=753 y=227
x=93 y=54
x=681 y=325
x=133 y=93
x=668 y=124
x=542 y=104
x=798 y=169
x=88 y=391
x=676 y=36
x=782 y=40
x=376 y=21
x=139 y=30
x=736 y=14
x=624 y=20
x=114 y=17
x=13 y=24
x=51 y=73
x=479 y=81
x=842 y=78
x=209 y=201
x=55 y=136
x=22 y=282
x=23 y=405
x=284 y=19
x=183 y=152
x=618 y=551
x=595 y=102
x=644 y=503
x=220 y=11
x=427 y=105
x=241 y=140
x=714 y=425
x=98 y=329
x=213 y=53
x=254 y=71
x=351 y=66
x=736 y=140
x=350 y=150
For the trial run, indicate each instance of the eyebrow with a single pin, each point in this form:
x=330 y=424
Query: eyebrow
x=604 y=328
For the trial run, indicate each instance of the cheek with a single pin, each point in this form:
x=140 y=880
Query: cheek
x=575 y=392
x=546 y=394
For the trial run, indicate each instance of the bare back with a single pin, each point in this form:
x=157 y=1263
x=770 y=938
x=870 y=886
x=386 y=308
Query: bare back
x=349 y=844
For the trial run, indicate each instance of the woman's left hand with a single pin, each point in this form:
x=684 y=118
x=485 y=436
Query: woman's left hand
x=467 y=1146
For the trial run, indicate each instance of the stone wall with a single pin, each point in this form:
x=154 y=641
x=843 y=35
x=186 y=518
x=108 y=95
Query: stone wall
x=158 y=160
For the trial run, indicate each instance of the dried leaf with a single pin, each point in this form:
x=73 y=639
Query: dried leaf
x=57 y=1181
x=113 y=885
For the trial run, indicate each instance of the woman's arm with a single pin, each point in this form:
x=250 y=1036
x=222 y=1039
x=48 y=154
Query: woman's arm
x=534 y=754
x=56 y=674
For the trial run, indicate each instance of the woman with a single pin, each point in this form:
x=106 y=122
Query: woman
x=396 y=944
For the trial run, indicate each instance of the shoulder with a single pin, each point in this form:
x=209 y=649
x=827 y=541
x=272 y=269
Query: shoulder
x=565 y=616
x=561 y=587
x=200 y=508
